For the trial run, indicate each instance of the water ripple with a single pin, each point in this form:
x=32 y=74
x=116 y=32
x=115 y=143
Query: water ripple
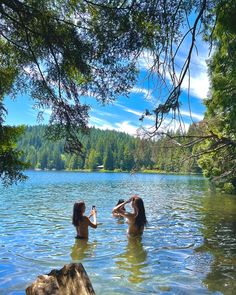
x=188 y=247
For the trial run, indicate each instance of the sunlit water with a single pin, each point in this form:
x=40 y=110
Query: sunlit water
x=189 y=246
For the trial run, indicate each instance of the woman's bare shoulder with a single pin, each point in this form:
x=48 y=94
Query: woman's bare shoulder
x=128 y=215
x=85 y=219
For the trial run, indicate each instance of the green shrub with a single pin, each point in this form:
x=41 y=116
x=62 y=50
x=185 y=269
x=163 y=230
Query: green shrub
x=229 y=188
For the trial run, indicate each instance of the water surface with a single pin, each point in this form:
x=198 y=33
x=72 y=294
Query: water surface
x=189 y=246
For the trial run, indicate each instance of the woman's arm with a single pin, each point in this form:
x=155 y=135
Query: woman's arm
x=94 y=223
x=118 y=207
x=125 y=214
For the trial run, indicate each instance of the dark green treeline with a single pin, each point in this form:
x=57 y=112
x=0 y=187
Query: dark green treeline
x=111 y=149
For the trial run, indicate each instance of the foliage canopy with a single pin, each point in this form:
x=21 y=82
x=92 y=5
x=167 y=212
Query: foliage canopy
x=62 y=50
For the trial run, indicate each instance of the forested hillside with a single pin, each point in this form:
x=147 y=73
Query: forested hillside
x=111 y=149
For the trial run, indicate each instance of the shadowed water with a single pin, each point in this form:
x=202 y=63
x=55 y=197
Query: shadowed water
x=189 y=246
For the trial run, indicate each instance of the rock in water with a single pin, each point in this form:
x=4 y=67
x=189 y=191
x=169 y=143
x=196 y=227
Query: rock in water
x=72 y=279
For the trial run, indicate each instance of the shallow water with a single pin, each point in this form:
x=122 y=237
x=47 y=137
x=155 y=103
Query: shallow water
x=189 y=246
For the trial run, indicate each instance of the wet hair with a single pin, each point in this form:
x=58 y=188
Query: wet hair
x=120 y=202
x=77 y=213
x=140 y=219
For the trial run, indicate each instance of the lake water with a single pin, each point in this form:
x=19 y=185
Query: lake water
x=189 y=246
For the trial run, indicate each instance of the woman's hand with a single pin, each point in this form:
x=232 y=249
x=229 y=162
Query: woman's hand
x=93 y=212
x=129 y=200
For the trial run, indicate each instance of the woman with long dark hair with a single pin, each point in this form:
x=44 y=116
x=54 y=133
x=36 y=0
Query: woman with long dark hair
x=82 y=222
x=115 y=214
x=137 y=219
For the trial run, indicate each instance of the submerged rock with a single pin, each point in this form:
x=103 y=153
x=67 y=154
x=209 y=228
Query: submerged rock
x=72 y=279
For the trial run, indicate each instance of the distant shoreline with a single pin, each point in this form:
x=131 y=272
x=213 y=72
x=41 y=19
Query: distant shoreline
x=145 y=171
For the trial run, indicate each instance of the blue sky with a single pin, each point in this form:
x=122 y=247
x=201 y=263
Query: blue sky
x=123 y=114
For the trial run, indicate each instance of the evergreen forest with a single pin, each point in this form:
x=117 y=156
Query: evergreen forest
x=106 y=150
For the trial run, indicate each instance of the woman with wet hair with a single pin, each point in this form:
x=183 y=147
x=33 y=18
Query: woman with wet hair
x=82 y=222
x=115 y=214
x=137 y=219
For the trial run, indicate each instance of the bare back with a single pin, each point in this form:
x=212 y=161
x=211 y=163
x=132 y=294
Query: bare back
x=82 y=228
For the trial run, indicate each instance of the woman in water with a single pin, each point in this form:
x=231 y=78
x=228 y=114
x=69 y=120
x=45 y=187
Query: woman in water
x=82 y=222
x=115 y=214
x=136 y=220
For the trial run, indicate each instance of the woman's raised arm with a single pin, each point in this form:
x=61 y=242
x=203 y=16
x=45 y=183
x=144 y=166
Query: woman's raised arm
x=116 y=209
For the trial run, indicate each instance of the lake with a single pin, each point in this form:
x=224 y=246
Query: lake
x=188 y=247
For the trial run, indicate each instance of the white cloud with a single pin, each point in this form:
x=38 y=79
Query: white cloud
x=146 y=60
x=123 y=126
x=199 y=81
x=137 y=113
x=134 y=130
x=174 y=125
x=199 y=86
x=167 y=125
x=100 y=123
x=147 y=92
x=192 y=115
x=102 y=113
x=126 y=127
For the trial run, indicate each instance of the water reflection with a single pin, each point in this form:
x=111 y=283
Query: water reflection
x=219 y=231
x=133 y=260
x=83 y=249
x=120 y=220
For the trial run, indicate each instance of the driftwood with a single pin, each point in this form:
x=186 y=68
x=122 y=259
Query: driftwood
x=72 y=279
